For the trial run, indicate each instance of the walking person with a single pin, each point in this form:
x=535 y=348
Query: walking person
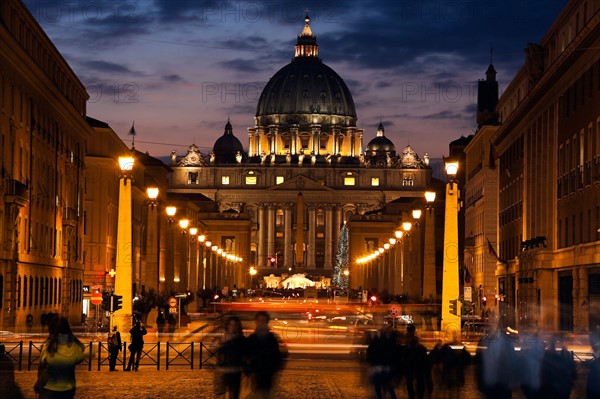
x=61 y=352
x=558 y=371
x=416 y=365
x=114 y=347
x=593 y=380
x=230 y=357
x=264 y=356
x=8 y=385
x=496 y=374
x=382 y=357
x=137 y=344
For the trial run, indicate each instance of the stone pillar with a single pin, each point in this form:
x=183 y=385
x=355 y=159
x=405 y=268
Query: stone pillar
x=251 y=142
x=429 y=278
x=294 y=148
x=288 y=237
x=261 y=256
x=312 y=236
x=360 y=141
x=316 y=137
x=328 y=236
x=336 y=140
x=270 y=230
x=352 y=135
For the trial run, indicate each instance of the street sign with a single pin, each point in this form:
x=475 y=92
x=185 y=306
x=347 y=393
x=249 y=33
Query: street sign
x=468 y=294
x=173 y=302
x=394 y=311
x=97 y=298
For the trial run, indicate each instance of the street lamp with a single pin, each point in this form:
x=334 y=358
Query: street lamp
x=416 y=214
x=429 y=263
x=193 y=272
x=201 y=240
x=252 y=274
x=450 y=283
x=124 y=257
x=398 y=234
x=151 y=273
x=406 y=226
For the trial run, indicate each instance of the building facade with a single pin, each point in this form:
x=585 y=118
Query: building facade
x=549 y=178
x=43 y=145
x=306 y=171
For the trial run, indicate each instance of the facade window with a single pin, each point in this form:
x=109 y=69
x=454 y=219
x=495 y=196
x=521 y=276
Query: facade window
x=225 y=180
x=320 y=218
x=192 y=177
x=407 y=180
x=279 y=218
x=349 y=181
x=375 y=181
x=251 y=180
x=279 y=179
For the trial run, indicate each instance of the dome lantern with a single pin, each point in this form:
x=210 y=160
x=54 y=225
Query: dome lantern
x=306 y=46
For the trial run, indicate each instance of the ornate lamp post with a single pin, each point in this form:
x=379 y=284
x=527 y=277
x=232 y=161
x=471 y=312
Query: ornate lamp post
x=429 y=277
x=201 y=241
x=180 y=276
x=192 y=270
x=150 y=276
x=450 y=283
x=124 y=262
x=252 y=274
x=168 y=271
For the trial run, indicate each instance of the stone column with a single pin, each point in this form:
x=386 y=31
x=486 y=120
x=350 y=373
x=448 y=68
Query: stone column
x=316 y=137
x=429 y=278
x=261 y=256
x=251 y=142
x=360 y=141
x=312 y=236
x=336 y=140
x=288 y=236
x=270 y=230
x=328 y=236
x=352 y=134
x=294 y=139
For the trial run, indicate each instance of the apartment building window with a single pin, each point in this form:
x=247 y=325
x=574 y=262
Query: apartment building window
x=407 y=180
x=225 y=180
x=375 y=181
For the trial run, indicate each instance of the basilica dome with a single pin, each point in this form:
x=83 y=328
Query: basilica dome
x=227 y=146
x=380 y=144
x=306 y=85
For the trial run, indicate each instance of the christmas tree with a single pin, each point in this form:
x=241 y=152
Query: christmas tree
x=341 y=260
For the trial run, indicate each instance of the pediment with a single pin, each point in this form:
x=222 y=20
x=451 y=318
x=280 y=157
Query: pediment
x=300 y=183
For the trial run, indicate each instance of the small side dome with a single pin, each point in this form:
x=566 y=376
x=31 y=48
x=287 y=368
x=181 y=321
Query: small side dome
x=380 y=145
x=227 y=146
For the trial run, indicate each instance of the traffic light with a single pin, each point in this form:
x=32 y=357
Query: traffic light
x=483 y=301
x=454 y=309
x=106 y=301
x=117 y=303
x=273 y=260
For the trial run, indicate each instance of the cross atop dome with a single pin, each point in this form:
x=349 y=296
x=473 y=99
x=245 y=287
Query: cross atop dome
x=306 y=46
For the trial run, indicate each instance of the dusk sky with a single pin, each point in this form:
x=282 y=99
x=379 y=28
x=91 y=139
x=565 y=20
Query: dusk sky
x=179 y=68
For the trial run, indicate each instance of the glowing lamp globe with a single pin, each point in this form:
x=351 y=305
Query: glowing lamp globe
x=451 y=168
x=152 y=192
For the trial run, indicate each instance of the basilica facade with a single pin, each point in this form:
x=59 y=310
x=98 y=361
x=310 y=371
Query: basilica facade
x=306 y=171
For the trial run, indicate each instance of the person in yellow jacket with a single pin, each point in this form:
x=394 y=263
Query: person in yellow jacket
x=61 y=352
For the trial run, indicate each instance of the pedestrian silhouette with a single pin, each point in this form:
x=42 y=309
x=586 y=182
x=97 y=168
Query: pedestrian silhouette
x=416 y=365
x=454 y=360
x=230 y=357
x=114 y=347
x=8 y=386
x=496 y=374
x=593 y=381
x=264 y=356
x=530 y=362
x=61 y=352
x=558 y=371
x=382 y=356
x=137 y=344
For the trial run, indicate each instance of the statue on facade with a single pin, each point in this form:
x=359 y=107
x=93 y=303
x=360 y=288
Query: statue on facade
x=300 y=159
x=328 y=158
x=238 y=157
x=272 y=159
x=212 y=157
x=361 y=158
x=288 y=158
x=313 y=158
x=389 y=160
x=173 y=157
x=263 y=158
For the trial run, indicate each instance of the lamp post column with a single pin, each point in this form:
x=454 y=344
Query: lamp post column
x=450 y=283
x=150 y=276
x=429 y=277
x=124 y=262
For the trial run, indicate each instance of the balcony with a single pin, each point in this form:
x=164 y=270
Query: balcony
x=15 y=192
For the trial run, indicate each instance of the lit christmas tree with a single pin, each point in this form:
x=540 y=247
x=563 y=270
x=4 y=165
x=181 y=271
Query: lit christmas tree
x=341 y=260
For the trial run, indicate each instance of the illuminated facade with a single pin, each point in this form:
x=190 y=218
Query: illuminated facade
x=44 y=133
x=306 y=171
x=549 y=179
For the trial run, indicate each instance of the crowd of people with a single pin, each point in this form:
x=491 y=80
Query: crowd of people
x=397 y=359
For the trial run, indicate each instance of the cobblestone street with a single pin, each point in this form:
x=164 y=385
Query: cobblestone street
x=300 y=380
